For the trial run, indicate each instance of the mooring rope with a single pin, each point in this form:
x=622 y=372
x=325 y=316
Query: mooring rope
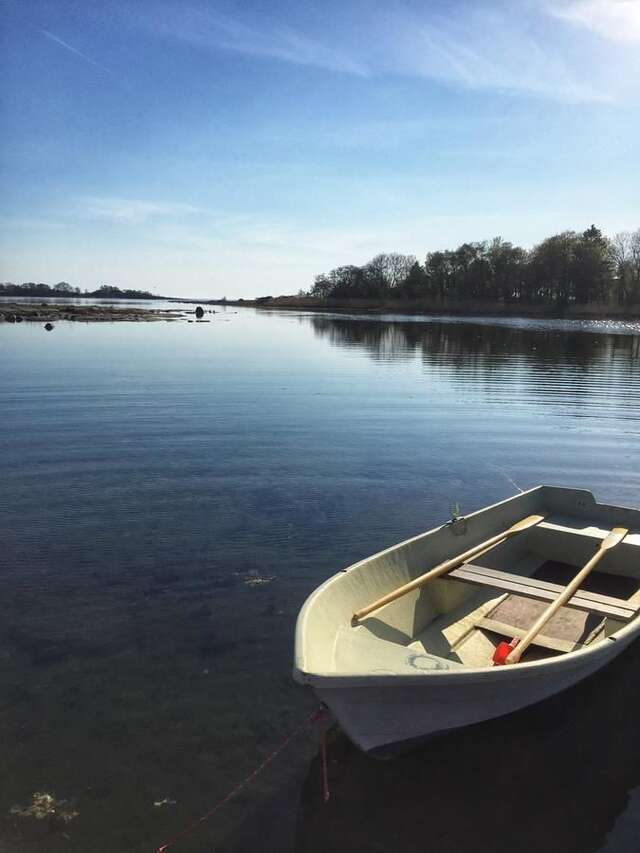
x=325 y=776
x=319 y=714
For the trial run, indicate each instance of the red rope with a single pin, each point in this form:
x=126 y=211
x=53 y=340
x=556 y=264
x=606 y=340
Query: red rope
x=319 y=714
x=325 y=776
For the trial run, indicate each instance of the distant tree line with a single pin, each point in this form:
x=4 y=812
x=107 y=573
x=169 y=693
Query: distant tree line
x=62 y=288
x=564 y=269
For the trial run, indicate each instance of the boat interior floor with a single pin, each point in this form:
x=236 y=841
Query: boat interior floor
x=469 y=633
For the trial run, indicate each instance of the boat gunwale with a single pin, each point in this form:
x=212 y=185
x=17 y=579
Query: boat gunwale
x=524 y=669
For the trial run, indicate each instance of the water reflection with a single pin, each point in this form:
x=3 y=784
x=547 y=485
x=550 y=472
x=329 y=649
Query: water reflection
x=509 y=364
x=479 y=346
x=552 y=778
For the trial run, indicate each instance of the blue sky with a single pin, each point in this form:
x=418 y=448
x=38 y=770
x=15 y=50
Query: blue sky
x=240 y=148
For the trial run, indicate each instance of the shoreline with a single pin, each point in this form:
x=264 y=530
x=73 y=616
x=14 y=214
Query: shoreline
x=16 y=312
x=591 y=311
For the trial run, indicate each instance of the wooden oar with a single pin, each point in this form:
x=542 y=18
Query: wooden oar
x=443 y=568
x=516 y=651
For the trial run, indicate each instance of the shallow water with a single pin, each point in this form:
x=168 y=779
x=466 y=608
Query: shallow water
x=169 y=495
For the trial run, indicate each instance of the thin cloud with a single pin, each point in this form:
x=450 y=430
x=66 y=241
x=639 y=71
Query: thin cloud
x=493 y=46
x=71 y=49
x=614 y=19
x=132 y=211
x=208 y=28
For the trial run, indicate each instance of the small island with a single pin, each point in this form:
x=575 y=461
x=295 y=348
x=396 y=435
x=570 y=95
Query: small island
x=44 y=312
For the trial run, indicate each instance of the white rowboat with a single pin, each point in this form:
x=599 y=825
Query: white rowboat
x=422 y=663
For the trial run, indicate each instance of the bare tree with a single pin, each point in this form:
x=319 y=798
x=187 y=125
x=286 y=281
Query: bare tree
x=397 y=268
x=634 y=252
x=620 y=250
x=391 y=269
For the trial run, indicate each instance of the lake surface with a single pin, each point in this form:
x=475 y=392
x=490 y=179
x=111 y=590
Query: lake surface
x=169 y=495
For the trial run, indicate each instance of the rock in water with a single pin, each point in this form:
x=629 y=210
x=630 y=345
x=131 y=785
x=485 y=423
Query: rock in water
x=48 y=326
x=199 y=312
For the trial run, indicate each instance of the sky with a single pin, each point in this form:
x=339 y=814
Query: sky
x=208 y=149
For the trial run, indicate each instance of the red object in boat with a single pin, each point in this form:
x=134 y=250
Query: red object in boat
x=503 y=650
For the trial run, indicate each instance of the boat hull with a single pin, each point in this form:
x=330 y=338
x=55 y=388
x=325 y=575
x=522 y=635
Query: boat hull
x=390 y=718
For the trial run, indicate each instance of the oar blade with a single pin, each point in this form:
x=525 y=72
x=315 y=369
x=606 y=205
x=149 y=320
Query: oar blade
x=524 y=523
x=616 y=535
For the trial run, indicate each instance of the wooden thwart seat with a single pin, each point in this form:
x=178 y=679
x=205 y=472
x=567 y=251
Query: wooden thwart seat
x=616 y=608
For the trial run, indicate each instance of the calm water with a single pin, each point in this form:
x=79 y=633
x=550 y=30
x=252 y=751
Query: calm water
x=170 y=494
